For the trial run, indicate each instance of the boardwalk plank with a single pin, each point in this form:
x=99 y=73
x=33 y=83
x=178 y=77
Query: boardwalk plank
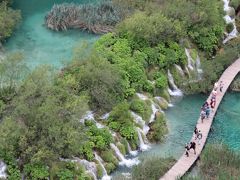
x=185 y=163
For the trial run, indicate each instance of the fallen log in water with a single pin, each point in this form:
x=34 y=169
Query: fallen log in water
x=95 y=18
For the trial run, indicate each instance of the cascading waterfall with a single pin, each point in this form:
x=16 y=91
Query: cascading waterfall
x=143 y=146
x=133 y=153
x=3 y=169
x=90 y=116
x=100 y=161
x=179 y=69
x=173 y=90
x=89 y=166
x=124 y=161
x=105 y=116
x=189 y=59
x=138 y=119
x=154 y=110
x=198 y=67
x=142 y=96
x=229 y=20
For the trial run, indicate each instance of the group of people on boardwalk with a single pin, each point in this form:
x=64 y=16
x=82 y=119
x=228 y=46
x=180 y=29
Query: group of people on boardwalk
x=204 y=114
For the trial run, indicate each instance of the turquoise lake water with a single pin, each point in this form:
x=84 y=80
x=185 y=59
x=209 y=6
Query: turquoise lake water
x=182 y=118
x=40 y=45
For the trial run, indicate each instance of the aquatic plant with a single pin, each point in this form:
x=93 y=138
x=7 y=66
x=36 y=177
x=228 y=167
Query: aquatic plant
x=97 y=18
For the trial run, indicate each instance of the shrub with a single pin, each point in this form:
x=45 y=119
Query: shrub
x=152 y=168
x=108 y=156
x=158 y=128
x=110 y=167
x=143 y=108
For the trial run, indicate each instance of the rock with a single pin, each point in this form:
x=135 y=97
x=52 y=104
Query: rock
x=163 y=103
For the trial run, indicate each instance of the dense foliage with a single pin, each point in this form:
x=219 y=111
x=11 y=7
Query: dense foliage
x=8 y=20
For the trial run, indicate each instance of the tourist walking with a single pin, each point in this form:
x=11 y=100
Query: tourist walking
x=221 y=86
x=195 y=132
x=189 y=146
x=213 y=103
x=199 y=137
x=202 y=115
x=208 y=110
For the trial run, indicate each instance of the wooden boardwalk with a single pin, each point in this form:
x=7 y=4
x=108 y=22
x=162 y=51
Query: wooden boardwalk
x=185 y=163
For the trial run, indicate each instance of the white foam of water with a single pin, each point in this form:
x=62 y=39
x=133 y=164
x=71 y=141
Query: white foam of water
x=198 y=67
x=100 y=161
x=180 y=70
x=3 y=168
x=105 y=116
x=88 y=116
x=138 y=119
x=170 y=105
x=127 y=175
x=123 y=160
x=143 y=146
x=89 y=166
x=142 y=96
x=174 y=91
x=189 y=59
x=133 y=153
x=154 y=110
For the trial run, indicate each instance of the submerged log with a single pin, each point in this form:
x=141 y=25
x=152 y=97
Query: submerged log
x=98 y=19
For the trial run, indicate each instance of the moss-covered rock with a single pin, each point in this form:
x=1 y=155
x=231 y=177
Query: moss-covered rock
x=143 y=108
x=158 y=128
x=110 y=167
x=99 y=171
x=161 y=102
x=108 y=156
x=163 y=93
x=229 y=27
x=121 y=147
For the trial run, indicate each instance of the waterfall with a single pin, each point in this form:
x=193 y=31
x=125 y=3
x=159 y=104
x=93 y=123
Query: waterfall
x=133 y=153
x=229 y=20
x=174 y=91
x=124 y=161
x=143 y=146
x=198 y=67
x=179 y=69
x=142 y=96
x=88 y=116
x=105 y=116
x=189 y=59
x=3 y=168
x=138 y=119
x=100 y=161
x=89 y=166
x=154 y=110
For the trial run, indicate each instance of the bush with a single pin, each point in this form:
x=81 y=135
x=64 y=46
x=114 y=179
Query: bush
x=110 y=167
x=152 y=168
x=108 y=156
x=142 y=108
x=158 y=128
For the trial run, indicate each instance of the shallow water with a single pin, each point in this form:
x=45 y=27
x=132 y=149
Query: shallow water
x=39 y=44
x=226 y=126
x=182 y=118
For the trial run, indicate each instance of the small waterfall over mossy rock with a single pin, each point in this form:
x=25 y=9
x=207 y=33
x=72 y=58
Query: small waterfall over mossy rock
x=179 y=69
x=138 y=119
x=189 y=59
x=229 y=20
x=199 y=68
x=3 y=168
x=173 y=90
x=143 y=146
x=100 y=161
x=133 y=153
x=123 y=160
x=89 y=166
